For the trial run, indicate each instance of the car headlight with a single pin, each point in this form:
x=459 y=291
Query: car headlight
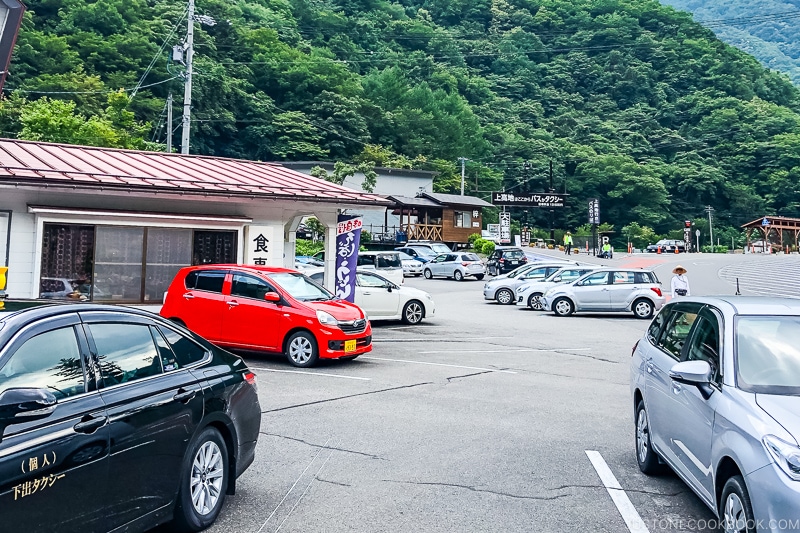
x=326 y=319
x=786 y=455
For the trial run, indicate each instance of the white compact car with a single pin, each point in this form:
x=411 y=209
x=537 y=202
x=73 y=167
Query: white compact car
x=530 y=293
x=382 y=299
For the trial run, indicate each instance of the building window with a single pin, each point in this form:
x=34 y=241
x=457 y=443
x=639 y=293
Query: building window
x=463 y=219
x=124 y=263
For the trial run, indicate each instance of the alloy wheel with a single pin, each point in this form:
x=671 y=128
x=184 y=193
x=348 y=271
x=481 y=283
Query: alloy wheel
x=535 y=302
x=735 y=519
x=505 y=297
x=413 y=313
x=208 y=470
x=642 y=436
x=300 y=350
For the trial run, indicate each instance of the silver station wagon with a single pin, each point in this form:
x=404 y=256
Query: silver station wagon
x=715 y=384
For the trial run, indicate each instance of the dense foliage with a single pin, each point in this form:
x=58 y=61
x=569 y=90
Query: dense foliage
x=767 y=29
x=633 y=102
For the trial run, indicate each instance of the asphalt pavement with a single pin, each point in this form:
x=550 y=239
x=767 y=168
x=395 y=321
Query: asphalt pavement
x=483 y=418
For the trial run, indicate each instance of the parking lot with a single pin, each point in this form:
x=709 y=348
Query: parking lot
x=479 y=419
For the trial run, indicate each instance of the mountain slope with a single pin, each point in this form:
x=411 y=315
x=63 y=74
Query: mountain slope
x=632 y=101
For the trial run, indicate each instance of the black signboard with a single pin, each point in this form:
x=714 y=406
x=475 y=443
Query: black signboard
x=530 y=199
x=594 y=211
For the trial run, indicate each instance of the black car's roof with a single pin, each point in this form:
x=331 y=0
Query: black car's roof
x=54 y=309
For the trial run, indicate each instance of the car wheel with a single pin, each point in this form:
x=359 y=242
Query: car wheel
x=204 y=482
x=643 y=308
x=563 y=307
x=736 y=510
x=413 y=312
x=504 y=296
x=479 y=277
x=458 y=276
x=301 y=349
x=428 y=274
x=645 y=455
x=535 y=301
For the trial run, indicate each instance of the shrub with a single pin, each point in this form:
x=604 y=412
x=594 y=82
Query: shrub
x=488 y=248
x=472 y=238
x=718 y=249
x=366 y=236
x=478 y=245
x=306 y=247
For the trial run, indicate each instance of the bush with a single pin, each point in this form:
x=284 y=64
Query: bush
x=488 y=248
x=472 y=238
x=306 y=247
x=718 y=249
x=366 y=236
x=478 y=245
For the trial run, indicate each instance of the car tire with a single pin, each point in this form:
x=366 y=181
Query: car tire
x=413 y=312
x=458 y=276
x=563 y=307
x=428 y=274
x=479 y=277
x=301 y=349
x=204 y=480
x=535 y=301
x=646 y=456
x=643 y=308
x=504 y=297
x=735 y=509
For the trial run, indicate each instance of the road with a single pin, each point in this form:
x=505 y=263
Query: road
x=479 y=419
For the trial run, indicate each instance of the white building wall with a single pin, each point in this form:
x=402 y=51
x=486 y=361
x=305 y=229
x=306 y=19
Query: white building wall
x=22 y=256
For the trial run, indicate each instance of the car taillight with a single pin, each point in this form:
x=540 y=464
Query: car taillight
x=502 y=260
x=656 y=290
x=633 y=351
x=464 y=264
x=250 y=378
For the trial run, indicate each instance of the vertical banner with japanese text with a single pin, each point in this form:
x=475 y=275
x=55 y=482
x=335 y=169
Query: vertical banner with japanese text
x=348 y=240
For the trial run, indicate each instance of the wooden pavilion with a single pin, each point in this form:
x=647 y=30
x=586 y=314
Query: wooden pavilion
x=777 y=226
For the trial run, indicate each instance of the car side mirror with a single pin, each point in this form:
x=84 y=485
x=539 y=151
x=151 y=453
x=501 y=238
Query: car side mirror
x=273 y=297
x=557 y=279
x=697 y=373
x=25 y=404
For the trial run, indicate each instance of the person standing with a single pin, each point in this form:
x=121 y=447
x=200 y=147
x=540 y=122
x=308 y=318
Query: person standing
x=680 y=283
x=568 y=243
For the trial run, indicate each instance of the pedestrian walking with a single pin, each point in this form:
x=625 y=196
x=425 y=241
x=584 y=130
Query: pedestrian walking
x=680 y=283
x=568 y=243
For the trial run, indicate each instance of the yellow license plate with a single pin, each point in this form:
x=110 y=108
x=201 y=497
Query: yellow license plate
x=350 y=346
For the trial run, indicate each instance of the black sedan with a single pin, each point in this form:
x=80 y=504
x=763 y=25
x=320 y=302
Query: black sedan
x=667 y=246
x=114 y=418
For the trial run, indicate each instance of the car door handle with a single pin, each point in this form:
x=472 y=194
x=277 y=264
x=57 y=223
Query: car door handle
x=676 y=387
x=366 y=293
x=90 y=424
x=188 y=296
x=184 y=396
x=232 y=303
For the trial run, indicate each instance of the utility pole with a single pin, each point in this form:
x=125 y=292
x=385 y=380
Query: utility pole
x=187 y=87
x=169 y=123
x=463 y=161
x=709 y=209
x=552 y=212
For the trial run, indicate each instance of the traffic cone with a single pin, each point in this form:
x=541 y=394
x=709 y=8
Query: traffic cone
x=659 y=250
x=676 y=249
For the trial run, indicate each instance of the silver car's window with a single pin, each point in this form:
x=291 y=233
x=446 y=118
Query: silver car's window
x=704 y=344
x=598 y=278
x=654 y=331
x=49 y=361
x=623 y=278
x=536 y=273
x=768 y=354
x=677 y=329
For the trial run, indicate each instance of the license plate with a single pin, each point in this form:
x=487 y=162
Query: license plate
x=514 y=262
x=350 y=346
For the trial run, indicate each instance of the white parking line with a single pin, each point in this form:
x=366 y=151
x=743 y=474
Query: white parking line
x=629 y=513
x=443 y=341
x=323 y=374
x=439 y=364
x=514 y=350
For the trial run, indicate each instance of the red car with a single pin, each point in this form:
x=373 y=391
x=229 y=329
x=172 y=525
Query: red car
x=267 y=309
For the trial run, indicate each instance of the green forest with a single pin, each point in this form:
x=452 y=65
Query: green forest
x=632 y=102
x=767 y=29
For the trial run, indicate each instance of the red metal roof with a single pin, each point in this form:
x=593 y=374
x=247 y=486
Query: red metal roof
x=48 y=165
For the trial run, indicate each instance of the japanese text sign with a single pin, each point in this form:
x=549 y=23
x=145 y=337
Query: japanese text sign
x=348 y=240
x=530 y=199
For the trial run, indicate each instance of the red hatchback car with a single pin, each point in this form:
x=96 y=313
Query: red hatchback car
x=267 y=309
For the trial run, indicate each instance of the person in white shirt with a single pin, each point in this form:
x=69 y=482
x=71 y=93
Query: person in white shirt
x=680 y=283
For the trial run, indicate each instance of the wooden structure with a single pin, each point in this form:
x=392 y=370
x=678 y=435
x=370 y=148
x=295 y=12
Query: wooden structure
x=448 y=218
x=775 y=226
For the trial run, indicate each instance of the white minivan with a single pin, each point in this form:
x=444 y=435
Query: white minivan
x=387 y=264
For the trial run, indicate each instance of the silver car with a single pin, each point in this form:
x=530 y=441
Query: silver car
x=531 y=292
x=715 y=384
x=411 y=266
x=607 y=290
x=502 y=288
x=456 y=265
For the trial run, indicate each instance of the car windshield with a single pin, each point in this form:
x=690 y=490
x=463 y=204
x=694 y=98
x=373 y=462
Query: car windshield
x=404 y=256
x=389 y=261
x=300 y=287
x=518 y=271
x=768 y=354
x=440 y=248
x=426 y=252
